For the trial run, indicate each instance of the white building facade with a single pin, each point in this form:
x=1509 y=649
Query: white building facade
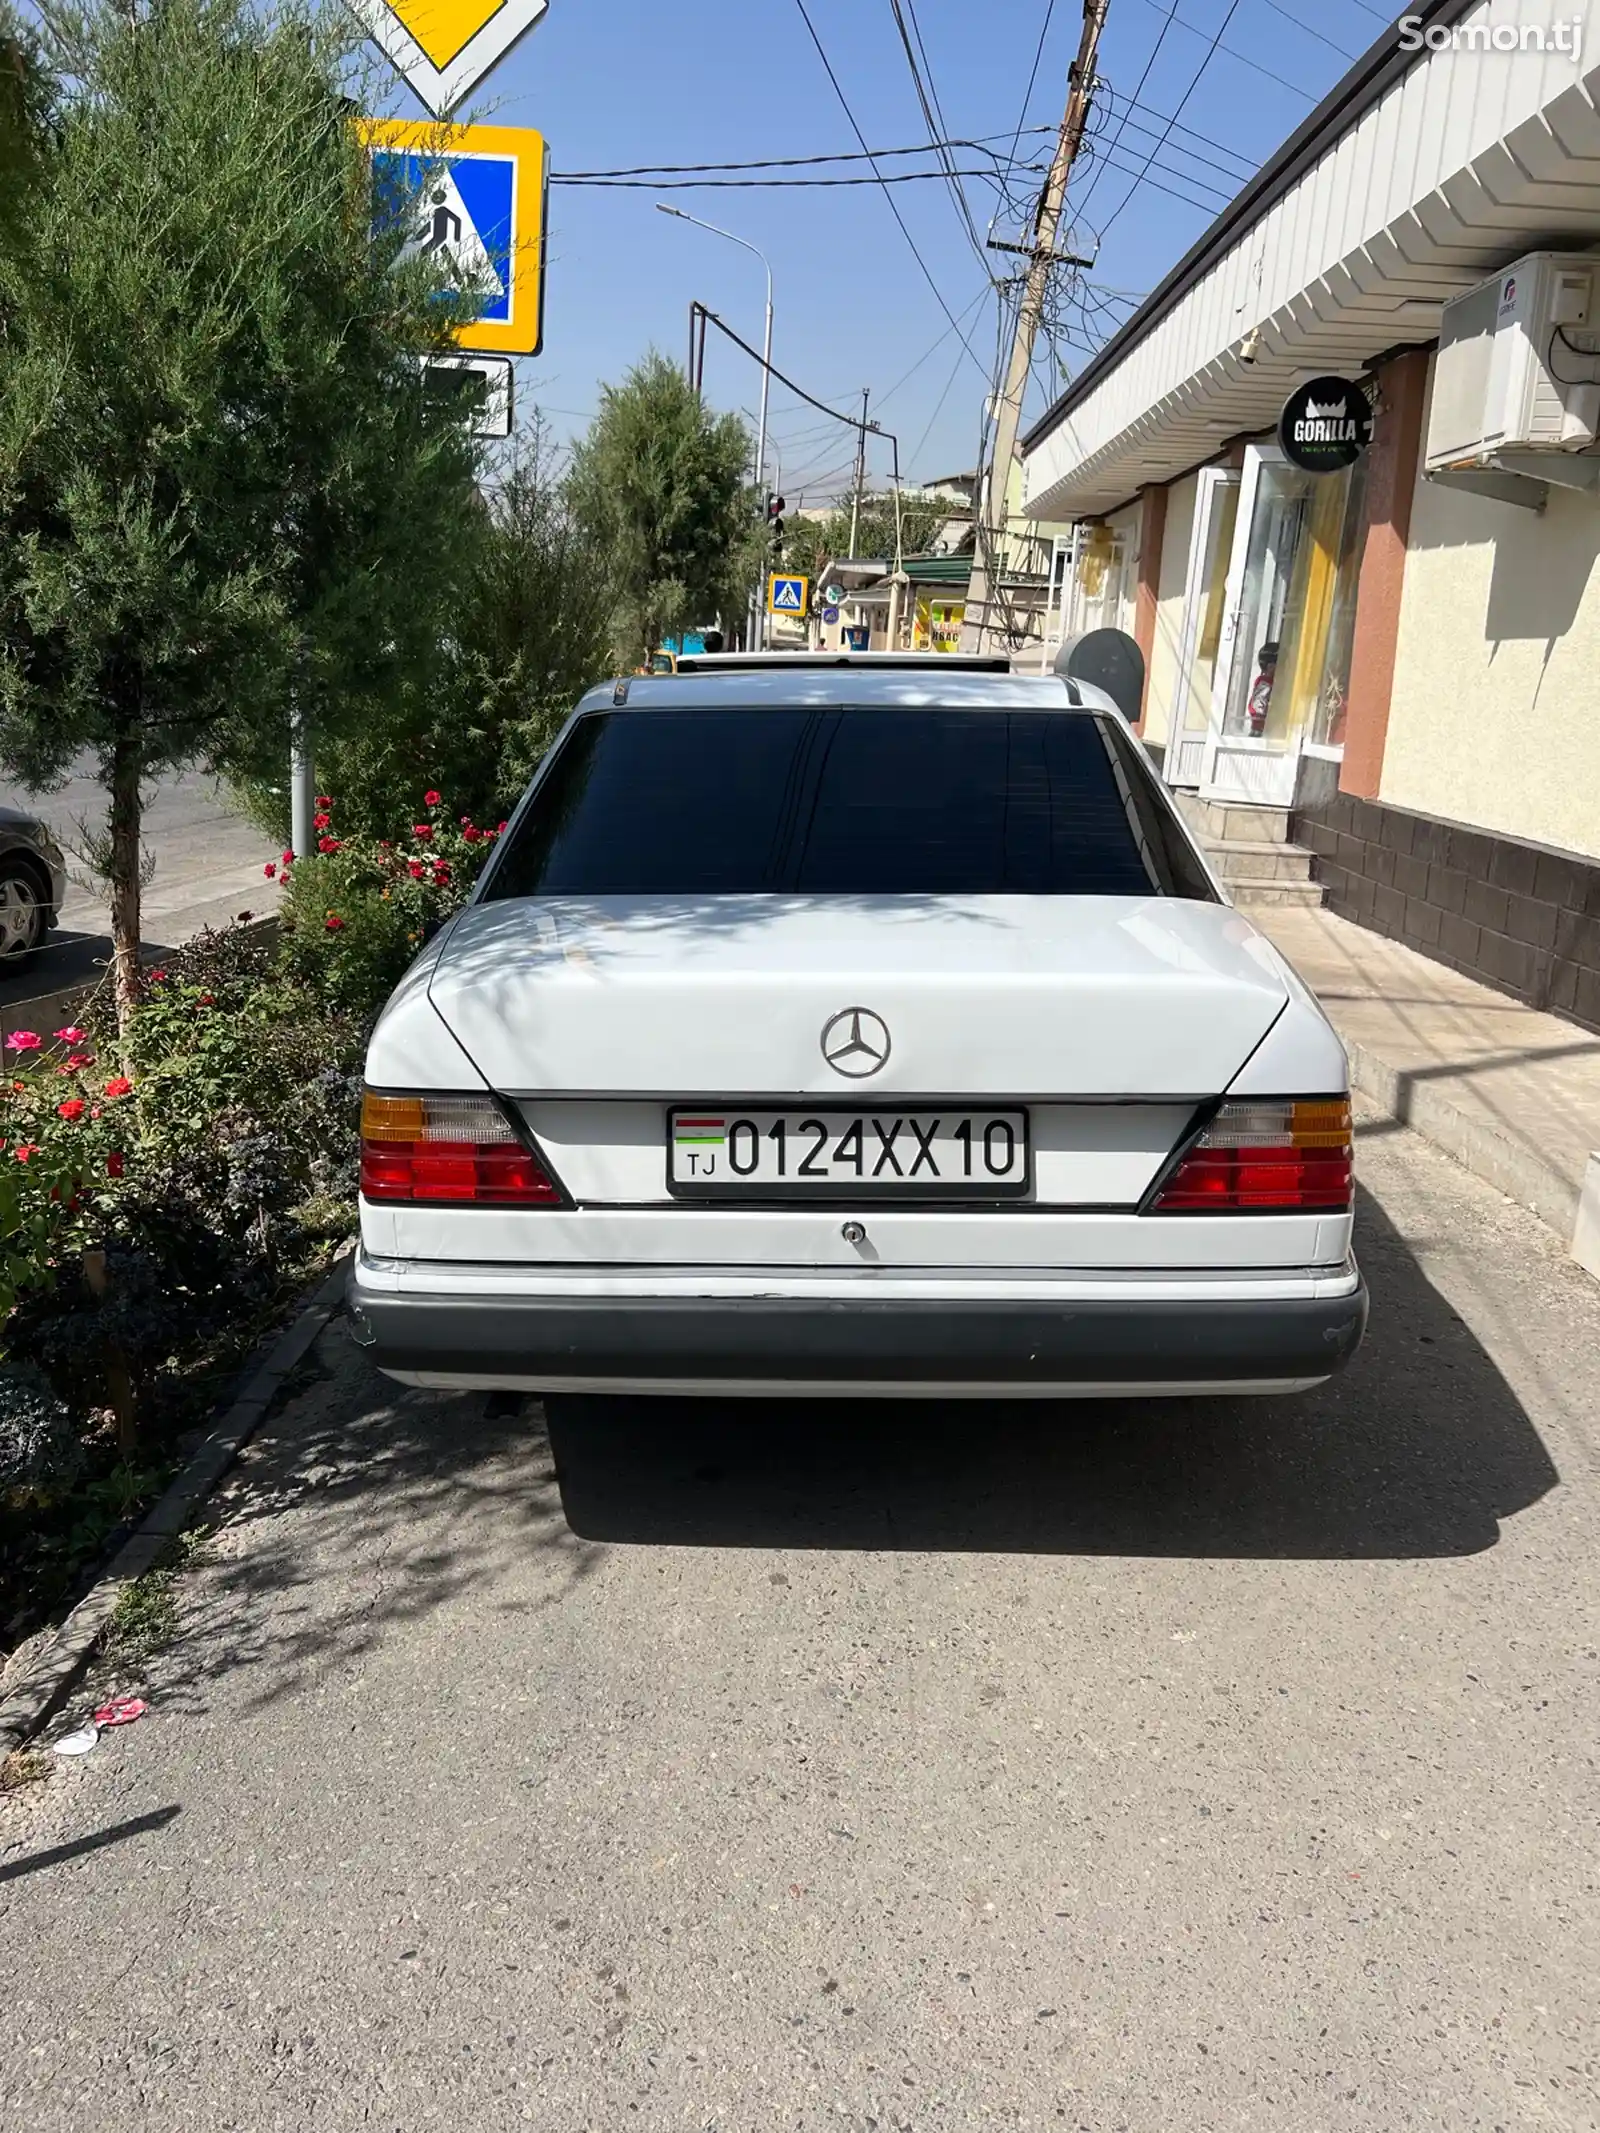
x=1405 y=660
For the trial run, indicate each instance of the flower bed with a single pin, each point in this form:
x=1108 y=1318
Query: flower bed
x=165 y=1186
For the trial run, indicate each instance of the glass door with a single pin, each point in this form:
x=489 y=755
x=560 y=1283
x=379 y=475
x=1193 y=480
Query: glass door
x=1205 y=606
x=1283 y=664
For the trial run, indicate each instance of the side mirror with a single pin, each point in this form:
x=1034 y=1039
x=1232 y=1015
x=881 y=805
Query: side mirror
x=1108 y=660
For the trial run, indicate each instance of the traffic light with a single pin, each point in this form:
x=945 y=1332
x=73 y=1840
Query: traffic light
x=775 y=510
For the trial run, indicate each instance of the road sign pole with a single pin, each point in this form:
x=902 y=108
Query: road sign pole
x=761 y=438
x=302 y=782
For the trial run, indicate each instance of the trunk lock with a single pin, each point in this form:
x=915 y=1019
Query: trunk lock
x=854 y=1233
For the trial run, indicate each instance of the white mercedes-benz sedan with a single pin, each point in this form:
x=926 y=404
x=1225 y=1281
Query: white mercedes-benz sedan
x=847 y=1028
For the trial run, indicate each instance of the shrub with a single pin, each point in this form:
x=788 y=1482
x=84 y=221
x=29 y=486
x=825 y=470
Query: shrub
x=40 y=1450
x=357 y=910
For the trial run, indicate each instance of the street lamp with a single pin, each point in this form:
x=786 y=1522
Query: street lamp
x=681 y=215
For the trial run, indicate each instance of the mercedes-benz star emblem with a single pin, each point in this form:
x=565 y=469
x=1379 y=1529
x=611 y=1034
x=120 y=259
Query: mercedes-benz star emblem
x=856 y=1043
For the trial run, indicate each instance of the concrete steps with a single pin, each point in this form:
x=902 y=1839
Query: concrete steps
x=1250 y=853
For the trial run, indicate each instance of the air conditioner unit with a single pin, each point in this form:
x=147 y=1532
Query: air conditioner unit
x=1518 y=369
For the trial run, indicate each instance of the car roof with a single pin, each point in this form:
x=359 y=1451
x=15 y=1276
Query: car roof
x=778 y=686
x=952 y=662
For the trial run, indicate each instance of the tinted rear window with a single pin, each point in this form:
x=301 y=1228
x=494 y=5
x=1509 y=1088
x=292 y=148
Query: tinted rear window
x=876 y=801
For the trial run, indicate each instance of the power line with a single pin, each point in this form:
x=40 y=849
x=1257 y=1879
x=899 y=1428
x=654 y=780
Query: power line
x=851 y=422
x=1220 y=184
x=894 y=205
x=938 y=410
x=934 y=350
x=1343 y=51
x=1243 y=58
x=682 y=185
x=1133 y=100
x=1033 y=76
x=1210 y=53
x=978 y=142
x=927 y=97
x=1114 y=96
x=1234 y=177
x=1140 y=173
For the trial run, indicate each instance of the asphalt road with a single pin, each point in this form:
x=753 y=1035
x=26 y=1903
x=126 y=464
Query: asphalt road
x=207 y=869
x=1172 y=1769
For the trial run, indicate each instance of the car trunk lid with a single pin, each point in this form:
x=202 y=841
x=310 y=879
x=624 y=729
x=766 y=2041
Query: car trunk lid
x=1103 y=997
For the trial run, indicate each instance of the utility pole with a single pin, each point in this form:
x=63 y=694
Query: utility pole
x=991 y=523
x=861 y=471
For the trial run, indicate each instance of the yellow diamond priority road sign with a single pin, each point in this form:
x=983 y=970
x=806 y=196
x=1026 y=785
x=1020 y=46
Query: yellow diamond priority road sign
x=444 y=48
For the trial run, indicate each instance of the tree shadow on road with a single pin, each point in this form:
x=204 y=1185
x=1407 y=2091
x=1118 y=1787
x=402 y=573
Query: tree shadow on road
x=1420 y=1449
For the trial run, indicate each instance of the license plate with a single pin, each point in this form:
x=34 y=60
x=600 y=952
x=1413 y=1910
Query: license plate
x=842 y=1154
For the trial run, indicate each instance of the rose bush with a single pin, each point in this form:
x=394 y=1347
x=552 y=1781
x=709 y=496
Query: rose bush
x=358 y=909
x=165 y=1186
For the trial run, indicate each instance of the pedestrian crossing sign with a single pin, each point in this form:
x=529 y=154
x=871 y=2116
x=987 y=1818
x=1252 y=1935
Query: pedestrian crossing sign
x=788 y=596
x=474 y=198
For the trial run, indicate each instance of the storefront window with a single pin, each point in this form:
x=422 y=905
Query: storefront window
x=1212 y=603
x=1095 y=596
x=1291 y=674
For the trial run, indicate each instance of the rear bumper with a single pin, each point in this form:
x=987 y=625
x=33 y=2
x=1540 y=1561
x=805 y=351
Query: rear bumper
x=855 y=1346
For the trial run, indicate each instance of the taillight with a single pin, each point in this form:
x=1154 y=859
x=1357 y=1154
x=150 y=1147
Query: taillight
x=1267 y=1152
x=456 y=1150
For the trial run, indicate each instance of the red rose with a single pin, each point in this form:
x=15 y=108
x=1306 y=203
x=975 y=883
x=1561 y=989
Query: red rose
x=206 y=999
x=320 y=822
x=416 y=870
x=333 y=923
x=441 y=875
x=471 y=835
x=24 y=1149
x=288 y=859
x=119 y=1085
x=323 y=800
x=73 y=1108
x=431 y=799
x=327 y=844
x=77 y=1061
x=114 y=1163
x=158 y=977
x=423 y=830
x=270 y=870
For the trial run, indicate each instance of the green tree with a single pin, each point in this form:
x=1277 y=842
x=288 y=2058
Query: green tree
x=25 y=105
x=222 y=489
x=531 y=633
x=660 y=483
x=812 y=542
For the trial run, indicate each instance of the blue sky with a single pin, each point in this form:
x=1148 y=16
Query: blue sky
x=628 y=82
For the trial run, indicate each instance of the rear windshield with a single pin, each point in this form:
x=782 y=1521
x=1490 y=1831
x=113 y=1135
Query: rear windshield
x=897 y=800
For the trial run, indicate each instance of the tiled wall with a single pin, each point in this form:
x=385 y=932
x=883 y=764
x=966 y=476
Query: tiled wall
x=1516 y=916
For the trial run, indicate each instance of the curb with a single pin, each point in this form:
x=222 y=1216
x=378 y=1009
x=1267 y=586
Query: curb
x=1499 y=1161
x=48 y=1677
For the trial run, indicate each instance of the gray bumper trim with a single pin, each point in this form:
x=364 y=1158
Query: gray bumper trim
x=796 y=1340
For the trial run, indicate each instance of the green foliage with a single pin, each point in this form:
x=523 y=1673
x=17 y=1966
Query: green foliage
x=25 y=103
x=222 y=488
x=660 y=485
x=812 y=542
x=357 y=911
x=532 y=634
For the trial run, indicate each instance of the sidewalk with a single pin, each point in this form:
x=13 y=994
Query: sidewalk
x=1511 y=1093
